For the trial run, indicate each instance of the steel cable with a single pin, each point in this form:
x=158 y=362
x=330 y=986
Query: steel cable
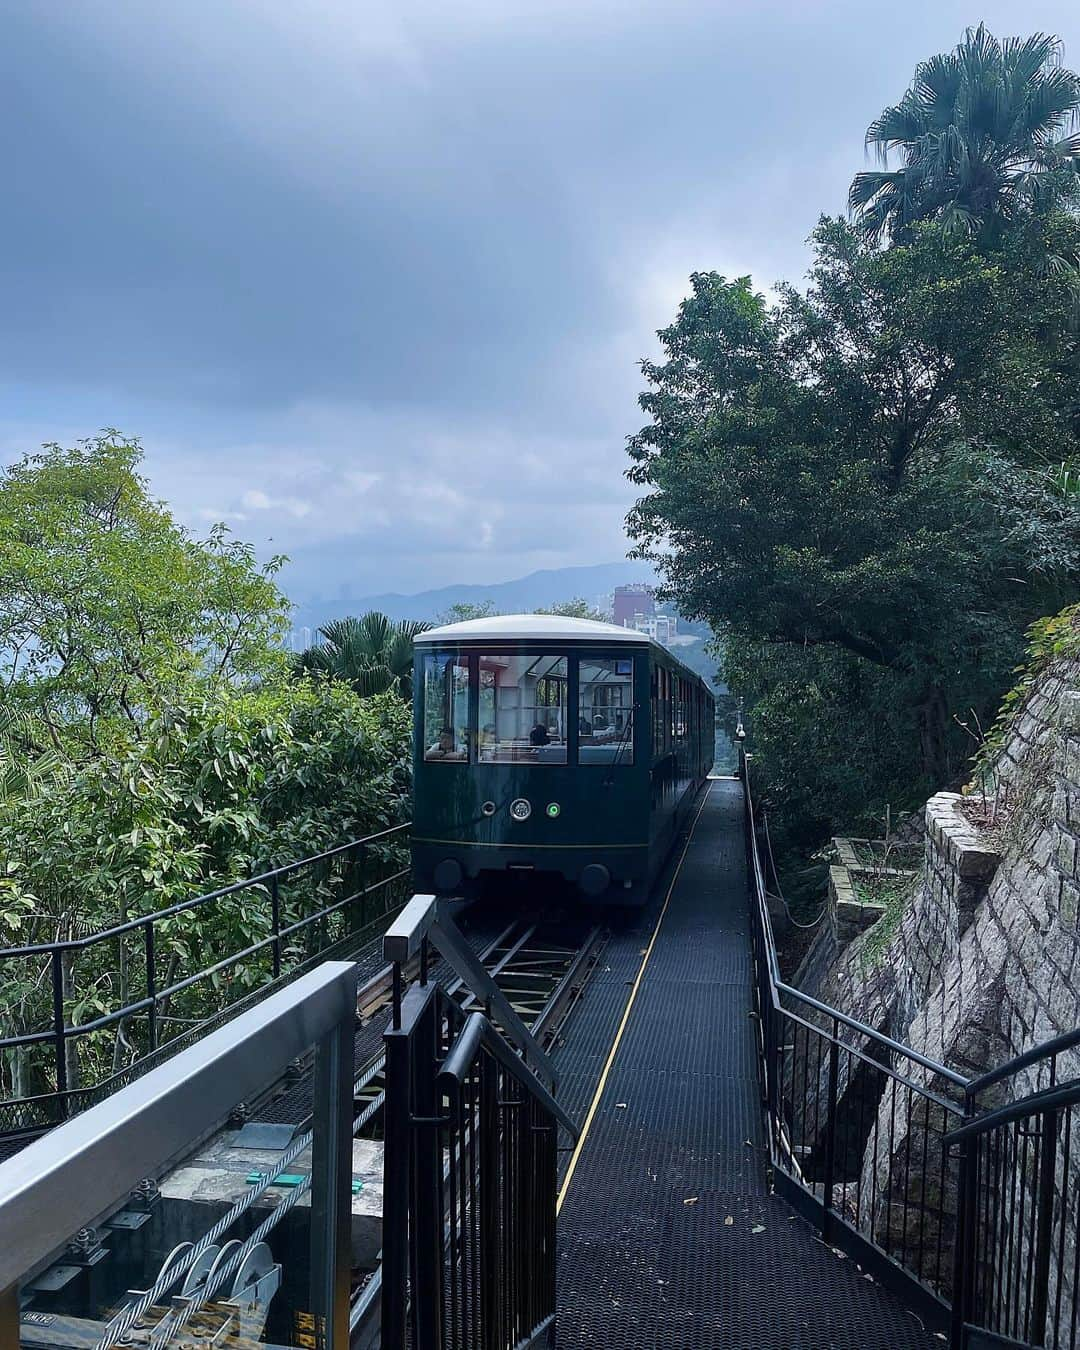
x=118 y=1328
x=776 y=879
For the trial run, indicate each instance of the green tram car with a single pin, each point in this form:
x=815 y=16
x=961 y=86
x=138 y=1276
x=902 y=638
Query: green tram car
x=552 y=746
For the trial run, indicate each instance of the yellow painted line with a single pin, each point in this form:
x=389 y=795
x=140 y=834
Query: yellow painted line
x=626 y=1012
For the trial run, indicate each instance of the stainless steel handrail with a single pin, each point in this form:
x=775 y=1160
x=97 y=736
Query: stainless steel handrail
x=78 y=1171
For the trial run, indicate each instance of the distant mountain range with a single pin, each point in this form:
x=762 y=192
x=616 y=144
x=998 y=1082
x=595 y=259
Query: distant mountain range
x=522 y=595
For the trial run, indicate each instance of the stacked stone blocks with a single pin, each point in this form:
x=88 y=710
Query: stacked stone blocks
x=985 y=962
x=1066 y=858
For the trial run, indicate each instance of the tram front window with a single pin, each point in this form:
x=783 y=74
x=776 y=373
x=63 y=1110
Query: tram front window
x=446 y=707
x=523 y=711
x=606 y=710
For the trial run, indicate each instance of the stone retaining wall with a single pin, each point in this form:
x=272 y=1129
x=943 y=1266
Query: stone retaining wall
x=848 y=914
x=985 y=961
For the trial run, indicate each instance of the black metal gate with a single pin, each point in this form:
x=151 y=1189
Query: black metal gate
x=469 y=1171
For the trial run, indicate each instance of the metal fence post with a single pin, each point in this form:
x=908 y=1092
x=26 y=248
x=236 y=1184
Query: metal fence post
x=151 y=985
x=427 y=1209
x=491 y=1274
x=331 y=1187
x=358 y=920
x=59 y=1039
x=830 y=1133
x=275 y=923
x=1044 y=1228
x=396 y=1180
x=964 y=1238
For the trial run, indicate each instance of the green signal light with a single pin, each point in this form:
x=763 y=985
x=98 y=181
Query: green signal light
x=553 y=810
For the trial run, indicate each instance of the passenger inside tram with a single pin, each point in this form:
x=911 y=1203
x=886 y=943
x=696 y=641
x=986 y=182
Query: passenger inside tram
x=523 y=698
x=522 y=708
x=444 y=747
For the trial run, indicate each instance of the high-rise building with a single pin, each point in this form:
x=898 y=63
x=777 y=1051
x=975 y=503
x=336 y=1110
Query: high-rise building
x=634 y=607
x=631 y=603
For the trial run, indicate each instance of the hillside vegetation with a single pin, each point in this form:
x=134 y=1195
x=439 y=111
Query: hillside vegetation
x=869 y=486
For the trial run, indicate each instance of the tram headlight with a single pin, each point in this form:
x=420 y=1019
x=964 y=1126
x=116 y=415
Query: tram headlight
x=553 y=810
x=520 y=809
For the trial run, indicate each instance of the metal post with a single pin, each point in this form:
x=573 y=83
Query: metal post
x=1040 y=1292
x=964 y=1238
x=151 y=984
x=491 y=1275
x=359 y=921
x=331 y=1187
x=396 y=1179
x=830 y=1133
x=427 y=1208
x=59 y=1039
x=275 y=924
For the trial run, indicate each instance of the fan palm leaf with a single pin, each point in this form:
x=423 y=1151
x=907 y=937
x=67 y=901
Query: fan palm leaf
x=982 y=131
x=372 y=653
x=25 y=765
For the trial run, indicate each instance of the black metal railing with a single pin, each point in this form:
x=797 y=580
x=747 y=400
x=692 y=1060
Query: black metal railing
x=1018 y=1241
x=469 y=1171
x=966 y=1206
x=102 y=1007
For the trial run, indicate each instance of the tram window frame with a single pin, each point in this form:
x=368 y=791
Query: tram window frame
x=434 y=731
x=654 y=695
x=665 y=718
x=618 y=749
x=520 y=748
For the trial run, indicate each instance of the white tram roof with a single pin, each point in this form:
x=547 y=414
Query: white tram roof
x=533 y=627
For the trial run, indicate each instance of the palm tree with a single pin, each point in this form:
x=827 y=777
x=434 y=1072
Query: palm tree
x=26 y=766
x=373 y=653
x=984 y=131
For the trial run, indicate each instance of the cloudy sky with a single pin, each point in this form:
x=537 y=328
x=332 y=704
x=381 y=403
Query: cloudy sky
x=370 y=280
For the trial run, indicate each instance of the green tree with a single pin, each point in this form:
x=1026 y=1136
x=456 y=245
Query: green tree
x=465 y=611
x=853 y=488
x=372 y=653
x=220 y=786
x=578 y=608
x=153 y=746
x=983 y=133
x=107 y=605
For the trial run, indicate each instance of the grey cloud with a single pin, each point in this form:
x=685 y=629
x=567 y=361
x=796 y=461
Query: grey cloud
x=289 y=242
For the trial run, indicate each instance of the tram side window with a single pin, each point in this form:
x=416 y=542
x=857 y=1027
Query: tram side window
x=446 y=707
x=605 y=710
x=654 y=709
x=523 y=710
x=661 y=713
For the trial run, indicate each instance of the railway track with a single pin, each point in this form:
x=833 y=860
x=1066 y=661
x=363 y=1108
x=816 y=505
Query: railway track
x=540 y=965
x=541 y=970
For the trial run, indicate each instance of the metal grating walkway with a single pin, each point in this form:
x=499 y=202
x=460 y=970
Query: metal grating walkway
x=668 y=1236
